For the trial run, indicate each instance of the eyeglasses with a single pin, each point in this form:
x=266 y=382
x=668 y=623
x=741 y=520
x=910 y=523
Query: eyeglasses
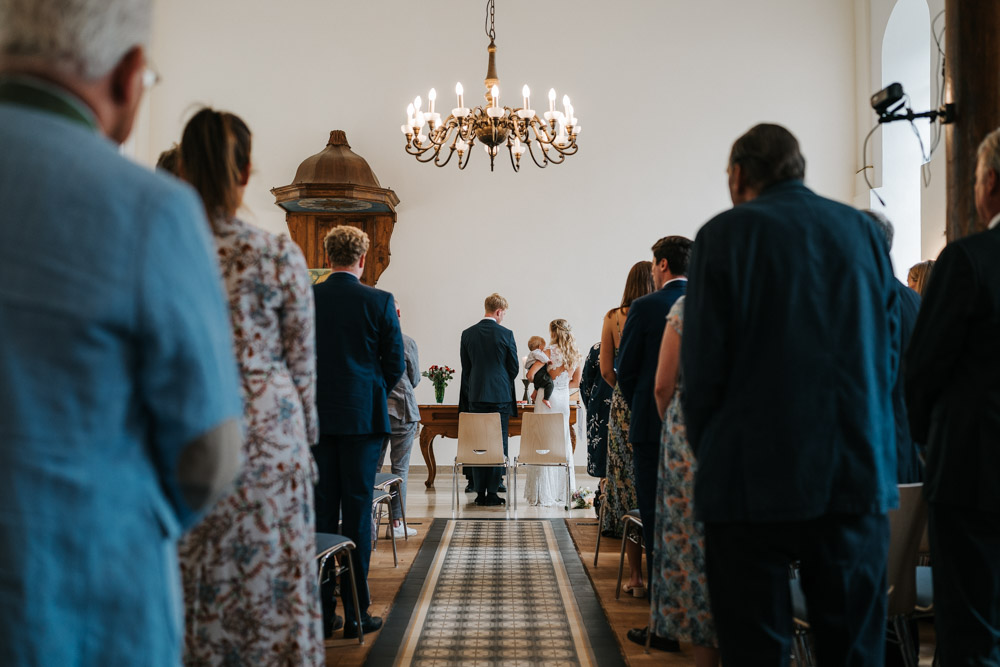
x=150 y=77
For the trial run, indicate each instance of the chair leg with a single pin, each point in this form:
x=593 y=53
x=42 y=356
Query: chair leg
x=513 y=485
x=402 y=508
x=377 y=519
x=621 y=565
x=354 y=595
x=600 y=523
x=901 y=626
x=392 y=534
x=569 y=498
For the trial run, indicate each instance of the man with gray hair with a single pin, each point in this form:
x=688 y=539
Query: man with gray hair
x=119 y=401
x=953 y=396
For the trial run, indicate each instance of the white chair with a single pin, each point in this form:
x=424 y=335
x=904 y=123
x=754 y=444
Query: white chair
x=480 y=445
x=543 y=443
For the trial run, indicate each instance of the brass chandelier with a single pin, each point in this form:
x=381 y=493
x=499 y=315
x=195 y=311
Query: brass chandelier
x=547 y=141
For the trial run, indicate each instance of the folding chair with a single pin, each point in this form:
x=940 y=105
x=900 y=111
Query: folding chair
x=393 y=483
x=600 y=522
x=480 y=445
x=632 y=531
x=327 y=545
x=543 y=443
x=380 y=500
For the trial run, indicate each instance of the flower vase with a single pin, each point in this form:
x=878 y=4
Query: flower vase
x=439 y=393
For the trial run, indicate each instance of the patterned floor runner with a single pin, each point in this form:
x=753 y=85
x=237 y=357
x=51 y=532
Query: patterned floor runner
x=486 y=593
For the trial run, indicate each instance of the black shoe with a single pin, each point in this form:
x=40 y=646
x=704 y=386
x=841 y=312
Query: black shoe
x=638 y=635
x=369 y=624
x=493 y=499
x=502 y=488
x=330 y=627
x=468 y=488
x=481 y=499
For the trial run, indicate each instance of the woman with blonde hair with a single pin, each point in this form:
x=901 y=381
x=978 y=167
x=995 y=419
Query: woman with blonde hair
x=919 y=275
x=546 y=485
x=619 y=486
x=251 y=594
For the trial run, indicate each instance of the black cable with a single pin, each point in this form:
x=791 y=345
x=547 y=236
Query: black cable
x=866 y=167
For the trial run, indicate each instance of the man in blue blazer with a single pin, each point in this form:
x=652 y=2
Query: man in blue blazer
x=637 y=357
x=953 y=393
x=359 y=359
x=789 y=360
x=489 y=368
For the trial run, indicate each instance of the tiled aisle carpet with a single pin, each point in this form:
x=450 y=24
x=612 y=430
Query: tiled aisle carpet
x=497 y=593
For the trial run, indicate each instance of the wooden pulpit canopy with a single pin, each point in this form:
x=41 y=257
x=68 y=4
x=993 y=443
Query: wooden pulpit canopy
x=337 y=187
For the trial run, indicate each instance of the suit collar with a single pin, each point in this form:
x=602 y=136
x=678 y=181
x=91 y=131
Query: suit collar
x=343 y=275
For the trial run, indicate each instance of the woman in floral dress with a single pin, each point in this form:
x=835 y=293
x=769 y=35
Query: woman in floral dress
x=250 y=588
x=679 y=588
x=619 y=485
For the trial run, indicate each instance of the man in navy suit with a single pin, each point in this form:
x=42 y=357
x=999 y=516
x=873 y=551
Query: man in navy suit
x=359 y=358
x=489 y=368
x=637 y=357
x=789 y=360
x=953 y=393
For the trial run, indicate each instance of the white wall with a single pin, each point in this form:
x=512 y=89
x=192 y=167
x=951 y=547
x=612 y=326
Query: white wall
x=661 y=90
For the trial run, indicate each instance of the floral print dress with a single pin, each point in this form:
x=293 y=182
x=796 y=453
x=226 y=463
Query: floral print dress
x=619 y=488
x=250 y=588
x=679 y=587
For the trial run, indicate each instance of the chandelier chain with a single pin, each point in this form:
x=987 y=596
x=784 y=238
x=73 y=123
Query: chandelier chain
x=490 y=11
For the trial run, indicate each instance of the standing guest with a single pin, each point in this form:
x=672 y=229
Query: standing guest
x=640 y=349
x=619 y=485
x=119 y=402
x=953 y=392
x=909 y=467
x=788 y=404
x=404 y=419
x=596 y=395
x=267 y=516
x=678 y=589
x=359 y=358
x=919 y=275
x=489 y=368
x=545 y=484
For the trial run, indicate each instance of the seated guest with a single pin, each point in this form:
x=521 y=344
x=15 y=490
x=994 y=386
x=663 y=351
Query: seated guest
x=404 y=420
x=919 y=275
x=909 y=467
x=541 y=381
x=267 y=516
x=119 y=400
x=359 y=354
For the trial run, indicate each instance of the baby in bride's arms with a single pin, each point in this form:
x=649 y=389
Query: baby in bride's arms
x=542 y=380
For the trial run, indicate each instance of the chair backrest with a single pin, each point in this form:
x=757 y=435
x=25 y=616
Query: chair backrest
x=480 y=440
x=543 y=439
x=906 y=528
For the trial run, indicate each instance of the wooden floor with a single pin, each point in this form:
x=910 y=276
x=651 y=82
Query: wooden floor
x=425 y=504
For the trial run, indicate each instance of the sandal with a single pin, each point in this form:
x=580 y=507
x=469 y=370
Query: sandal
x=636 y=591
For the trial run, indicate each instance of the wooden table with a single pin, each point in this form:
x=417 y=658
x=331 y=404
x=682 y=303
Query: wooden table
x=442 y=419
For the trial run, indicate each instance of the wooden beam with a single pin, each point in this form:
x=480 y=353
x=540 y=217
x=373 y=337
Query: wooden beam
x=972 y=82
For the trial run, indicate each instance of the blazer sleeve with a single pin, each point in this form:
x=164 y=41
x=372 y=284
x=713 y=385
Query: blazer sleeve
x=412 y=362
x=298 y=330
x=630 y=352
x=510 y=360
x=391 y=353
x=941 y=328
x=463 y=383
x=705 y=359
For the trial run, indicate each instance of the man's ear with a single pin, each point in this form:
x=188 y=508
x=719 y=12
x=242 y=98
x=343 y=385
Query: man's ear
x=361 y=262
x=126 y=78
x=993 y=182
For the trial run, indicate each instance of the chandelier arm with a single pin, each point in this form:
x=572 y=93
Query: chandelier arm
x=513 y=164
x=468 y=154
x=429 y=158
x=534 y=159
x=437 y=157
x=554 y=160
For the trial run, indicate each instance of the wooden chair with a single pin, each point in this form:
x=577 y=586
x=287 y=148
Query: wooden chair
x=327 y=545
x=543 y=443
x=480 y=445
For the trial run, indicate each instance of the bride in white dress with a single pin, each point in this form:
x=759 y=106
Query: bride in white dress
x=546 y=485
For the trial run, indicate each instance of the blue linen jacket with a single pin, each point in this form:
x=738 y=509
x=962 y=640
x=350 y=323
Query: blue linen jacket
x=359 y=356
x=789 y=357
x=489 y=366
x=638 y=353
x=115 y=352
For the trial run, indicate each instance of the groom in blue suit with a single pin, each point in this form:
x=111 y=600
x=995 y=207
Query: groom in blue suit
x=637 y=357
x=359 y=359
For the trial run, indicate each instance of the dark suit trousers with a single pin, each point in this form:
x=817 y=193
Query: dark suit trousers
x=965 y=552
x=487 y=480
x=843 y=575
x=347 y=465
x=645 y=464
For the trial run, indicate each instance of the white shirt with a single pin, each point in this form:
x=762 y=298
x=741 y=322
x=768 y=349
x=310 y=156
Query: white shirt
x=995 y=221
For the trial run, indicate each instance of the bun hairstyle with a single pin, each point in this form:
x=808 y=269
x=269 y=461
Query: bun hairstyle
x=564 y=341
x=214 y=156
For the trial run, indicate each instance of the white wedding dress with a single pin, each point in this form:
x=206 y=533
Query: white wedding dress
x=546 y=485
